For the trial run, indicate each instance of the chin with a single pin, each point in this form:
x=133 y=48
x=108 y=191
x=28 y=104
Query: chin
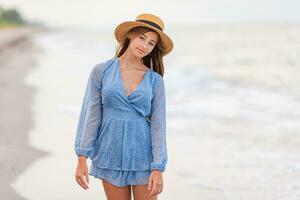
x=138 y=55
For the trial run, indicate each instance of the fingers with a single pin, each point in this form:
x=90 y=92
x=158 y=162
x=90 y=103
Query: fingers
x=78 y=179
x=155 y=190
x=150 y=183
x=155 y=187
x=81 y=180
x=87 y=177
x=160 y=189
x=84 y=180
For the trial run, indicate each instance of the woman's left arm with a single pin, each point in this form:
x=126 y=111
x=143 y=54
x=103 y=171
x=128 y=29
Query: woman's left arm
x=158 y=138
x=158 y=127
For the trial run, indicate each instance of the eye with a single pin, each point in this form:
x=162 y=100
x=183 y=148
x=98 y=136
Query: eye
x=142 y=37
x=151 y=44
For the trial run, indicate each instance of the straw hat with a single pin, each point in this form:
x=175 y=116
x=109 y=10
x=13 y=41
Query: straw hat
x=146 y=20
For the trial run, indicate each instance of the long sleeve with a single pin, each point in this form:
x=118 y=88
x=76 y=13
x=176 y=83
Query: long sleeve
x=158 y=127
x=90 y=115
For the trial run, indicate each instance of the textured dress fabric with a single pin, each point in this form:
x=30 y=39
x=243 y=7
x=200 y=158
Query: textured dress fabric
x=124 y=135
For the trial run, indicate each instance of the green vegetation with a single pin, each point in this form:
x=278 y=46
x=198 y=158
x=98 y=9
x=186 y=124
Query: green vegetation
x=10 y=17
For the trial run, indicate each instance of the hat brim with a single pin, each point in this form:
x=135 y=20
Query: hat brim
x=123 y=28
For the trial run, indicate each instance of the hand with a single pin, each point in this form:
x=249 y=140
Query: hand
x=81 y=174
x=155 y=184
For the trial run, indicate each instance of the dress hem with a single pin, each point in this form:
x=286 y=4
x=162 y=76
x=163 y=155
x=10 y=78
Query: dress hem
x=120 y=178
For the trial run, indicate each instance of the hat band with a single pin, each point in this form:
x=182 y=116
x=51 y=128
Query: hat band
x=150 y=23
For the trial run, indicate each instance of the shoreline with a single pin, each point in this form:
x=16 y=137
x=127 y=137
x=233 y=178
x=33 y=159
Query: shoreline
x=17 y=57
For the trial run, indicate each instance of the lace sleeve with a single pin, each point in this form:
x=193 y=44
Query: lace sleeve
x=158 y=127
x=90 y=115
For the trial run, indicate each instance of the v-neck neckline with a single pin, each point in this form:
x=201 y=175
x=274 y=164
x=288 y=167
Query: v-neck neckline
x=123 y=83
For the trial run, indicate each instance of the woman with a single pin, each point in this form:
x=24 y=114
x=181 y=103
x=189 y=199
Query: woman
x=122 y=124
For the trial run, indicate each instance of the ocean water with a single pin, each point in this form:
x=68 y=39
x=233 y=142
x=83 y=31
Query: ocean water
x=233 y=111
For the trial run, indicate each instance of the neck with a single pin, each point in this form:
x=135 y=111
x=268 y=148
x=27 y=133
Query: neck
x=129 y=61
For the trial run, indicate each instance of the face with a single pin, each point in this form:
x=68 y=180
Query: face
x=143 y=44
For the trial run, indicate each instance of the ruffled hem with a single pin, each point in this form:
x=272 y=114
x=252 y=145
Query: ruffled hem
x=120 y=178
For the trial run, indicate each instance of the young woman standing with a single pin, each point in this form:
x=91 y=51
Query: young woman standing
x=122 y=124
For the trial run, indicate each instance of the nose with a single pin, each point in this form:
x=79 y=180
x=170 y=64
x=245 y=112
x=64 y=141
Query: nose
x=144 y=46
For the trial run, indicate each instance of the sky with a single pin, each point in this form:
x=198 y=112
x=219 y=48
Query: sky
x=98 y=13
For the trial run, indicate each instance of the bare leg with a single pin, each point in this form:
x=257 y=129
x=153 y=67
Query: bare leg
x=140 y=192
x=113 y=192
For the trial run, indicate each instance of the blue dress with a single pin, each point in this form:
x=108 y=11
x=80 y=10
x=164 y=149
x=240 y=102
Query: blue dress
x=124 y=135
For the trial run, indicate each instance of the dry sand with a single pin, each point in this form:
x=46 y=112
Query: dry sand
x=17 y=57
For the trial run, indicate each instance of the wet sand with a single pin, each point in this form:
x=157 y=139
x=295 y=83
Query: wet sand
x=17 y=58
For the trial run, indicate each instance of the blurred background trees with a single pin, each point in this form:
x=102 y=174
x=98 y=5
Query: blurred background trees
x=10 y=17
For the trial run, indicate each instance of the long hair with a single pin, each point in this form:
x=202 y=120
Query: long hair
x=154 y=59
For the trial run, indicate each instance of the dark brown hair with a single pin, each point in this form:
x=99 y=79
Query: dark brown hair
x=154 y=59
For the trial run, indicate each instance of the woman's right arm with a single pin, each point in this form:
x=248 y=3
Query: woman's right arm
x=88 y=125
x=90 y=115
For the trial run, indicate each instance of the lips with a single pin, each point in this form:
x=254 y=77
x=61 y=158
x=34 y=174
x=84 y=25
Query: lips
x=141 y=51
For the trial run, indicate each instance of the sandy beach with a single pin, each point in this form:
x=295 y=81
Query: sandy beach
x=17 y=58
